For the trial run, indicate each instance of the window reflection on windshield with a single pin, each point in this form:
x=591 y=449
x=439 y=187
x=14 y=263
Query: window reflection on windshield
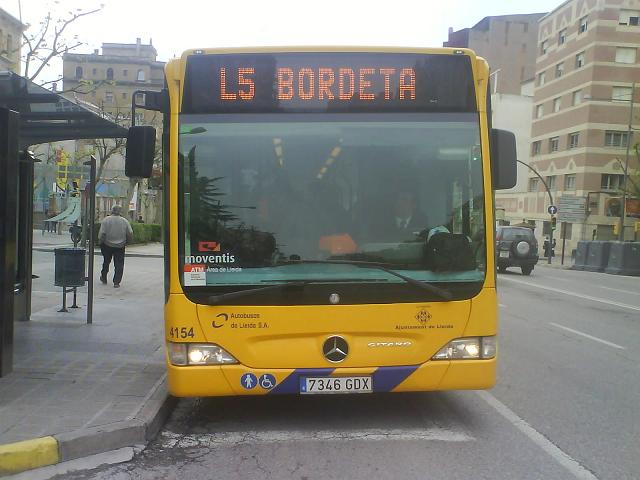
x=259 y=194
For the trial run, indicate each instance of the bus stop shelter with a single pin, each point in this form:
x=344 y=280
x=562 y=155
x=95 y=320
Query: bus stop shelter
x=30 y=115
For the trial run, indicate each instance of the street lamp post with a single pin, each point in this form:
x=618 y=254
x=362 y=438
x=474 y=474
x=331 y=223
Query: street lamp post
x=495 y=82
x=626 y=166
x=550 y=203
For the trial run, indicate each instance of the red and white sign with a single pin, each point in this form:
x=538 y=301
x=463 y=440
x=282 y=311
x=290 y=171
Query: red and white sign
x=195 y=275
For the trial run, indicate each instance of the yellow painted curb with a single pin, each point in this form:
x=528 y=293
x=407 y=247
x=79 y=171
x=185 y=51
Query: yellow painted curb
x=29 y=454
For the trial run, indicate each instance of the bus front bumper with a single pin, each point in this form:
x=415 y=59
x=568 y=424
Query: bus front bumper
x=229 y=380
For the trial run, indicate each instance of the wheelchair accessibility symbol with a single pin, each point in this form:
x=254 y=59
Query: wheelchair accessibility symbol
x=267 y=381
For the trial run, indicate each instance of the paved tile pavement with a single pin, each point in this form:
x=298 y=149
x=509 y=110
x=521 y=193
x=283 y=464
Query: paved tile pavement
x=47 y=242
x=78 y=382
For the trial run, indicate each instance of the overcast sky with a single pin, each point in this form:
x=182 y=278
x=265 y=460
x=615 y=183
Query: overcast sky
x=178 y=25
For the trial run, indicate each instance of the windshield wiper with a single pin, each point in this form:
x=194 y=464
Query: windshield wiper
x=223 y=297
x=441 y=292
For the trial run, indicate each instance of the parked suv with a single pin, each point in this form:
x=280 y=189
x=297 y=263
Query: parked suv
x=516 y=247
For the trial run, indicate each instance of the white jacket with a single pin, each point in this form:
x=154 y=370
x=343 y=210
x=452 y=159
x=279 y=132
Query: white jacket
x=115 y=231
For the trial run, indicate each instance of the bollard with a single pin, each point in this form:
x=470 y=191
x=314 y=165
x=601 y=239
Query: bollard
x=582 y=251
x=624 y=259
x=598 y=256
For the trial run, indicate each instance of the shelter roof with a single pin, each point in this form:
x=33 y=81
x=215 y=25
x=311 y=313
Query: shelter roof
x=47 y=116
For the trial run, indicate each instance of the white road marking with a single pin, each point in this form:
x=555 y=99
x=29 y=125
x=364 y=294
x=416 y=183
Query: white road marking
x=591 y=337
x=577 y=470
x=621 y=291
x=171 y=440
x=573 y=294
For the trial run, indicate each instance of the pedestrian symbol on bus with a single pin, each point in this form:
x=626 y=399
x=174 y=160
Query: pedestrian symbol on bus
x=267 y=381
x=248 y=381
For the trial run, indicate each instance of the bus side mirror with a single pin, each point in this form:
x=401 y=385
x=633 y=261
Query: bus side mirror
x=141 y=143
x=503 y=159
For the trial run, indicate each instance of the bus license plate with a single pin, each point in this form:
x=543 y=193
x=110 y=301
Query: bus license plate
x=336 y=384
x=504 y=254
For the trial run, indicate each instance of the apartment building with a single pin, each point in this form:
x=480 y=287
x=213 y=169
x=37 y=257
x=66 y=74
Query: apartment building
x=10 y=40
x=586 y=65
x=509 y=44
x=109 y=79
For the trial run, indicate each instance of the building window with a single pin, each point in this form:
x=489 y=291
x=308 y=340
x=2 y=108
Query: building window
x=544 y=46
x=539 y=111
x=576 y=97
x=629 y=17
x=625 y=55
x=140 y=98
x=556 y=104
x=536 y=147
x=94 y=71
x=554 y=144
x=533 y=184
x=559 y=69
x=570 y=182
x=580 y=60
x=78 y=72
x=125 y=73
x=611 y=181
x=584 y=24
x=124 y=95
x=140 y=76
x=562 y=36
x=551 y=182
x=108 y=97
x=573 y=140
x=541 y=78
x=614 y=138
x=109 y=73
x=621 y=94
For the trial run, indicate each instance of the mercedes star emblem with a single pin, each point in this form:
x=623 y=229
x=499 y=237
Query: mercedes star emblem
x=335 y=349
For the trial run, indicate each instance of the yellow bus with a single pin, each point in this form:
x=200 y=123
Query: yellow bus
x=329 y=219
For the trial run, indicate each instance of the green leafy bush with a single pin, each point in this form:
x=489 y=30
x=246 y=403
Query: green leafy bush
x=142 y=232
x=146 y=232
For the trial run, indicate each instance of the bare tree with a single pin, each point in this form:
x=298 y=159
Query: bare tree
x=50 y=41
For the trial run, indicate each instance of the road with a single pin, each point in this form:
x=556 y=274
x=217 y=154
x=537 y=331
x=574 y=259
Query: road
x=566 y=406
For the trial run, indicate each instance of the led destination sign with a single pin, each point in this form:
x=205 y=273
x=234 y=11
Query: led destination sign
x=328 y=82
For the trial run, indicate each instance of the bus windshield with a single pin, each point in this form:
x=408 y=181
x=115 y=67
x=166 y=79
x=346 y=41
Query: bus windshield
x=267 y=197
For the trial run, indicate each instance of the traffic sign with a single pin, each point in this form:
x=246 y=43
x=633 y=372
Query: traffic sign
x=552 y=209
x=572 y=209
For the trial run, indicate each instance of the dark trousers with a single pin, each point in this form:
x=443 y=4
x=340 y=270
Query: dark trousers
x=118 y=262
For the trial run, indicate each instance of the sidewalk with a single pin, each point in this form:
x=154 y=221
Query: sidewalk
x=79 y=389
x=556 y=262
x=47 y=242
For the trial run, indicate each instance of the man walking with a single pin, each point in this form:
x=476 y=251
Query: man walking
x=115 y=233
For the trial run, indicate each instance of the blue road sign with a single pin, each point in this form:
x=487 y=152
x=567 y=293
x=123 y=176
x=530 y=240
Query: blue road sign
x=248 y=381
x=267 y=381
x=552 y=209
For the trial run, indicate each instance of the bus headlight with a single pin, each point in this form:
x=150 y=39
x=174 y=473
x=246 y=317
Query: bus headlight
x=469 y=348
x=199 y=354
